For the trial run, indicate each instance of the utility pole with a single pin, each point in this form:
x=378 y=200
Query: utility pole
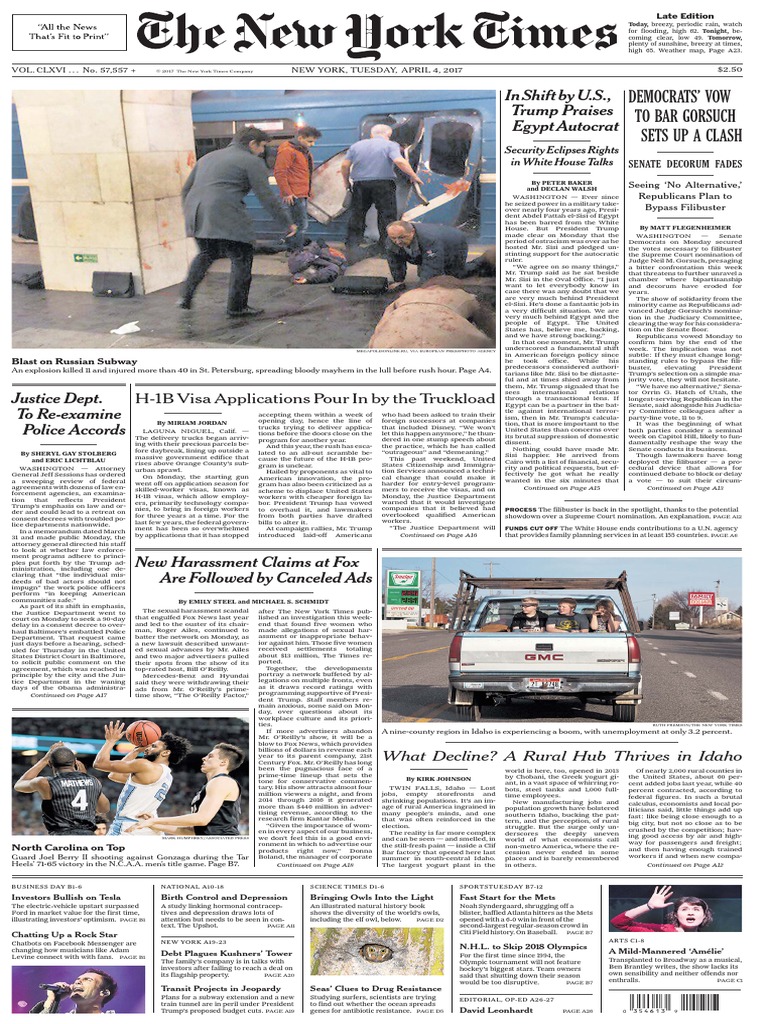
x=432 y=595
x=490 y=568
x=716 y=609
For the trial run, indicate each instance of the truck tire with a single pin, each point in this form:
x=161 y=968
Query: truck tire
x=624 y=712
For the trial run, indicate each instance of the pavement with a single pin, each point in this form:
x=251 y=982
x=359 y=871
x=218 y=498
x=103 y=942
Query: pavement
x=295 y=316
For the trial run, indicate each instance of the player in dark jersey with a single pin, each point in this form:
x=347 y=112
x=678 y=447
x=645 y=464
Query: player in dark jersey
x=71 y=798
x=216 y=808
x=226 y=820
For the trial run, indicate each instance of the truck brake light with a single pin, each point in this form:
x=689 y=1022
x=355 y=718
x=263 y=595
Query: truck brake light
x=634 y=650
x=454 y=654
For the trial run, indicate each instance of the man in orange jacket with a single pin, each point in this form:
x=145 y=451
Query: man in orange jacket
x=293 y=173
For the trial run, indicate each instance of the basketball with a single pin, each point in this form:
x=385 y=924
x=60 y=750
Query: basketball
x=143 y=732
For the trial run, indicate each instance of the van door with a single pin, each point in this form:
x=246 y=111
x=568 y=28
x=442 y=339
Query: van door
x=445 y=150
x=449 y=165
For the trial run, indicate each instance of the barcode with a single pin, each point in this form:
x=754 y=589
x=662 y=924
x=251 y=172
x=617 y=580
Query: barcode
x=650 y=1001
x=699 y=1001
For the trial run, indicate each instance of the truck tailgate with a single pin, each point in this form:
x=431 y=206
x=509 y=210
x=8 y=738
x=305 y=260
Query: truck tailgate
x=544 y=653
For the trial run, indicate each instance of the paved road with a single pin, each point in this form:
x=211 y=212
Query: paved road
x=687 y=677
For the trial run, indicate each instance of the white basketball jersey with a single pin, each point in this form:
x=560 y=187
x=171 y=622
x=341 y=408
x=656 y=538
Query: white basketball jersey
x=137 y=799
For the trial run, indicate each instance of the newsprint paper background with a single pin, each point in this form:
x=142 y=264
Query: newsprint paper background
x=380 y=652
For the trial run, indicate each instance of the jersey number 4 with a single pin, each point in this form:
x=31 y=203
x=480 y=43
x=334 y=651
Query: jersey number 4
x=80 y=801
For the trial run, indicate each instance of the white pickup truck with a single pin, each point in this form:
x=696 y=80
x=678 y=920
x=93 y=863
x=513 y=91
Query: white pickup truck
x=492 y=664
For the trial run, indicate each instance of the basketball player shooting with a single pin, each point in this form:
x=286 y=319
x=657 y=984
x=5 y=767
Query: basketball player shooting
x=216 y=808
x=147 y=779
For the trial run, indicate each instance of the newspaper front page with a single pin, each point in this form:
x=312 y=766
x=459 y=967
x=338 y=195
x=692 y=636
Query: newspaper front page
x=377 y=469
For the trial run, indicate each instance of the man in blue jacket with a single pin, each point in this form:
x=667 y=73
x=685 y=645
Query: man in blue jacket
x=436 y=249
x=368 y=172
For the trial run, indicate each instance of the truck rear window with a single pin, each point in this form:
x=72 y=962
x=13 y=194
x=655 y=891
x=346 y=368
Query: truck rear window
x=500 y=611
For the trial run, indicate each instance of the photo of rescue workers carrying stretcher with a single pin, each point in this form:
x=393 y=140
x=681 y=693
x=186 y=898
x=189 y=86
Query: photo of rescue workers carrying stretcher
x=504 y=638
x=281 y=219
x=131 y=772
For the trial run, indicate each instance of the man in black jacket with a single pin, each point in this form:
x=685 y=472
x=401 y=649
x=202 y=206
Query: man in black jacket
x=436 y=249
x=217 y=218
